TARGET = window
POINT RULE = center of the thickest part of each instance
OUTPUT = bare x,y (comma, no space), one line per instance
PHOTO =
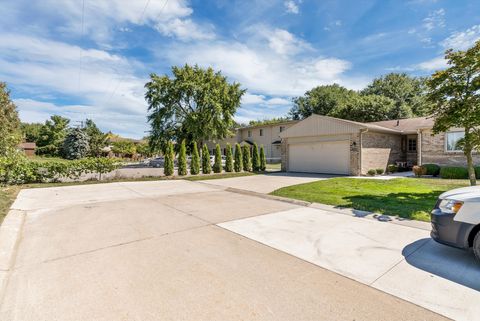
412,145
451,141
282,128
261,132
249,133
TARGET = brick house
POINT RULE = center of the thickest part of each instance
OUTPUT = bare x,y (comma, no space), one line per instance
28,148
322,144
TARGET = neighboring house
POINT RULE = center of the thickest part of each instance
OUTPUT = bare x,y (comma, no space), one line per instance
322,144
267,135
28,148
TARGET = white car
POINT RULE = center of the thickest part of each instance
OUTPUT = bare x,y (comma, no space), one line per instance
456,219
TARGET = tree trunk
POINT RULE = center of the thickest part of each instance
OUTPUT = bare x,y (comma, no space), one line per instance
471,169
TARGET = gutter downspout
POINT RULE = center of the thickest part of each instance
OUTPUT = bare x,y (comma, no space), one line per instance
419,147
362,130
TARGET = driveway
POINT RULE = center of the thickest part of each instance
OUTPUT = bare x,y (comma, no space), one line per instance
166,250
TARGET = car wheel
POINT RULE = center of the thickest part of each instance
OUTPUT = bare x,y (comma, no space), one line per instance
476,246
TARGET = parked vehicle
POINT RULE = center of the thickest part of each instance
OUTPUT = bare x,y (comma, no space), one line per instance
456,219
157,162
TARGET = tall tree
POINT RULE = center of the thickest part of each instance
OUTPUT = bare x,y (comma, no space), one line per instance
455,93
321,100
52,135
31,131
408,93
194,104
124,148
75,145
368,108
10,134
182,159
97,140
195,161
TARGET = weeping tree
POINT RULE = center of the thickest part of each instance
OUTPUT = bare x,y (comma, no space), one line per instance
263,159
217,166
238,158
75,145
455,94
247,159
169,155
228,158
206,166
255,158
182,159
195,161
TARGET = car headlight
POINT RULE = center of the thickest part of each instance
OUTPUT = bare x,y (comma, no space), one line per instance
450,206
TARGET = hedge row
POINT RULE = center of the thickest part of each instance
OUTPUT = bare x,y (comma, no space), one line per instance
448,172
17,169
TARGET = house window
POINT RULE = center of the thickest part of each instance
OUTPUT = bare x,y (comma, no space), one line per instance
451,141
261,132
282,128
412,145
249,133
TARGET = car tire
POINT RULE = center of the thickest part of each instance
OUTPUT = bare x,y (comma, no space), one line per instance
476,246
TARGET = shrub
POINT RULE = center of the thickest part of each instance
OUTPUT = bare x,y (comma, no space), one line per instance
169,156
454,172
195,161
263,159
391,168
75,145
217,166
247,159
371,172
379,171
182,159
255,158
238,158
206,166
431,169
477,172
228,158
419,170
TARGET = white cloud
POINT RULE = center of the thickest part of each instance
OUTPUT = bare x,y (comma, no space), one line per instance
463,39
279,102
291,7
433,64
284,43
185,30
435,19
252,99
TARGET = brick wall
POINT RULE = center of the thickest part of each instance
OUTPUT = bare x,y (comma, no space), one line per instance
379,150
433,151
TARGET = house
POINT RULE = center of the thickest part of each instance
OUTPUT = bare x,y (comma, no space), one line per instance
28,148
267,135
322,144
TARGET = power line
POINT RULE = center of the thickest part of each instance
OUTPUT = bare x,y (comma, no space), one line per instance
80,48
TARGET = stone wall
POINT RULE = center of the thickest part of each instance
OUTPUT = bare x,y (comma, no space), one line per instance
379,150
433,151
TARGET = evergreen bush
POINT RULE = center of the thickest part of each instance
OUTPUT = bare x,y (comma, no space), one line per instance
195,161
169,157
432,169
182,159
206,166
263,159
255,158
454,172
238,158
217,166
246,158
75,145
228,159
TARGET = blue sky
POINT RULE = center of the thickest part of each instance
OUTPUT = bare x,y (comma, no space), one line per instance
91,58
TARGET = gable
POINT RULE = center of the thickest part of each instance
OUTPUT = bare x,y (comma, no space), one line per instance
317,125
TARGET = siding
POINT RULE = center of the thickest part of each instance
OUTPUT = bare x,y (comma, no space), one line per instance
316,125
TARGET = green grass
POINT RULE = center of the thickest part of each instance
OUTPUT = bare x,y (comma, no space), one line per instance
411,198
47,159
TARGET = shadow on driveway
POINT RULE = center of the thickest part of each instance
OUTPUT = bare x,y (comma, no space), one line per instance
298,174
453,264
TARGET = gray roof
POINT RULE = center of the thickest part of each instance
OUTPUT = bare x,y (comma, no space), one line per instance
406,125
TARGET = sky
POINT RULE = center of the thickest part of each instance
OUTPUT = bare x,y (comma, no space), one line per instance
91,58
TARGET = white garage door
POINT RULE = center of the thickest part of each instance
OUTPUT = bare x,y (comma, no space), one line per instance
320,157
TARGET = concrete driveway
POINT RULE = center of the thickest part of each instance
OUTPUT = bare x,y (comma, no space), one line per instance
154,251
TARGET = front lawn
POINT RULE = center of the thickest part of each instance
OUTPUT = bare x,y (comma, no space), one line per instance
411,198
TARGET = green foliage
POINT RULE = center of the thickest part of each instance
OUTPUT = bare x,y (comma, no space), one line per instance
97,140
10,134
238,165
431,169
31,131
379,171
52,135
195,104
263,159
228,159
75,145
246,158
169,159
455,95
255,158
453,172
271,121
195,161
371,172
17,169
217,166
477,172
182,159
124,148
392,168
144,149
368,108
206,166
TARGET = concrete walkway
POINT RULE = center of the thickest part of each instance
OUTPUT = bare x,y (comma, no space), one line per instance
153,251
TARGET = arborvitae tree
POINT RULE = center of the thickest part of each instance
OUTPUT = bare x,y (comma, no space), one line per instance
75,145
169,156
238,158
206,166
217,166
182,159
247,159
255,158
195,161
263,159
228,159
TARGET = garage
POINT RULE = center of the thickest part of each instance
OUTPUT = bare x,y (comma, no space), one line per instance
329,157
